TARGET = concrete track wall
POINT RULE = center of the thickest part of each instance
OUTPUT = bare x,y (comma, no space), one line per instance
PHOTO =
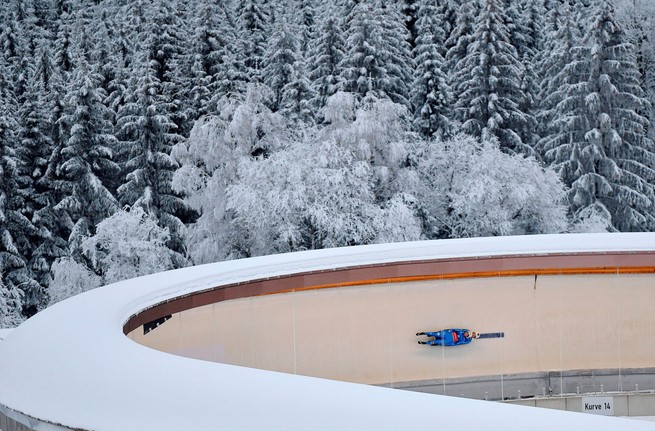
366,333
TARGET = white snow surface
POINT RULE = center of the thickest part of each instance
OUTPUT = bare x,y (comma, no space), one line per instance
72,365
4,332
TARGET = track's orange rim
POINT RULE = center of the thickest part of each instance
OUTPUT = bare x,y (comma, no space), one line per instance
481,274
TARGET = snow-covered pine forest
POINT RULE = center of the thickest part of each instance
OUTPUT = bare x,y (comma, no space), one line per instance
143,135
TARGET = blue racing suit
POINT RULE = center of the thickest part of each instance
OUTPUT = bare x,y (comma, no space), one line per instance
448,337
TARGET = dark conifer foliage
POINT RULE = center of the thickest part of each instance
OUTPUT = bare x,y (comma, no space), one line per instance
17,281
86,164
253,23
148,133
324,60
489,104
602,130
378,58
432,97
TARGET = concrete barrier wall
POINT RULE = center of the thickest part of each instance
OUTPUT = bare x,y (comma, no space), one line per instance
541,384
11,420
366,334
636,404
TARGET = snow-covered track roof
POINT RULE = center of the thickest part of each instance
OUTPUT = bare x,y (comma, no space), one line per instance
73,366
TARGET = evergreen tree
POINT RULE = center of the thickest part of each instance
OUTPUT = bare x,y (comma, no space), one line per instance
210,45
410,10
639,18
32,30
306,22
16,52
397,52
531,15
282,56
447,16
361,67
457,44
253,22
377,55
431,96
85,164
610,171
166,39
295,103
558,53
324,60
15,277
231,75
218,72
200,93
148,134
489,103
52,224
108,58
63,46
33,154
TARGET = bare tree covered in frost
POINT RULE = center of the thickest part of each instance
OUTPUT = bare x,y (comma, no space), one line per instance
71,278
333,188
317,197
359,179
128,244
462,197
208,165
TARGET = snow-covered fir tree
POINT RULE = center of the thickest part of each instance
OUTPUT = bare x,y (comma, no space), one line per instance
638,19
148,134
15,277
600,116
167,42
557,79
253,22
324,60
410,10
306,21
377,57
86,163
208,46
397,53
282,55
295,103
431,97
362,66
490,98
457,46
33,153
